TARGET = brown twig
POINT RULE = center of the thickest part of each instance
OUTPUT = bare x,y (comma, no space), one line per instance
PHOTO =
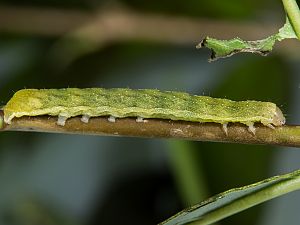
112,25
157,128
56,22
83,32
40,21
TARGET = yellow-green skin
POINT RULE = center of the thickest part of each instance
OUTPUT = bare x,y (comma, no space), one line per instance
145,103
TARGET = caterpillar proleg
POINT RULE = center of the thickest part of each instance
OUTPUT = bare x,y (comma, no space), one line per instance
140,103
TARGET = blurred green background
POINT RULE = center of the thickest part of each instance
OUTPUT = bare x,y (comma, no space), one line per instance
60,179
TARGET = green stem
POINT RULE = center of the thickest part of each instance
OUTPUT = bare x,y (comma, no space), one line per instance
188,174
293,13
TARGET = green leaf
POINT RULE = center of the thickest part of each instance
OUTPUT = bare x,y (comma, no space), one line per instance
236,200
227,48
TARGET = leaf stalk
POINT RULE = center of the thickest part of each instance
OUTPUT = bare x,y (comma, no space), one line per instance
293,14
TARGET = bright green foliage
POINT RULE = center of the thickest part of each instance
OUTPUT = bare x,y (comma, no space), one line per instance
236,200
226,48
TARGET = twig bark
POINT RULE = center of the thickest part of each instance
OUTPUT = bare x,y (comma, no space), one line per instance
57,22
157,128
120,25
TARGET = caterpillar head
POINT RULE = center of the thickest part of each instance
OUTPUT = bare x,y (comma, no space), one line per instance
278,118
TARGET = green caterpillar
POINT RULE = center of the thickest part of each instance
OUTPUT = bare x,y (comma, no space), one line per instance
141,103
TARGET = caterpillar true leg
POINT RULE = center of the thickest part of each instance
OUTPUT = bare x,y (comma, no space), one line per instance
224,127
111,119
270,126
85,118
139,119
61,121
251,128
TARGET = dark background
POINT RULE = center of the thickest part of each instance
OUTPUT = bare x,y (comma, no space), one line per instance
87,180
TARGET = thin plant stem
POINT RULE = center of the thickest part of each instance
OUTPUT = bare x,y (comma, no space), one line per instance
158,128
293,13
187,171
